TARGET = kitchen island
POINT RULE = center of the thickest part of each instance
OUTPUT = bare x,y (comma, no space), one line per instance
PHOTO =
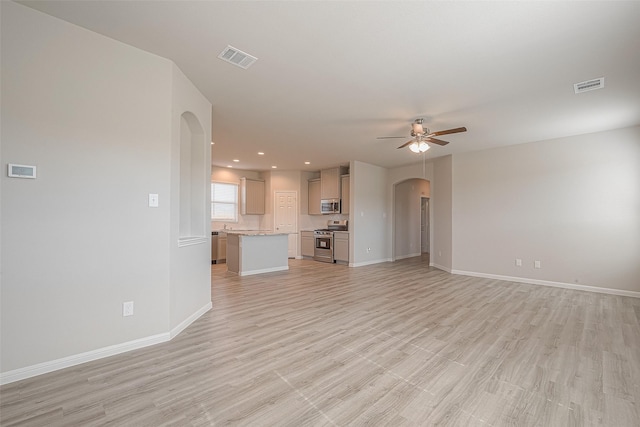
255,252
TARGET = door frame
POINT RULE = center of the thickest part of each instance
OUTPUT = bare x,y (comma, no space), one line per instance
293,237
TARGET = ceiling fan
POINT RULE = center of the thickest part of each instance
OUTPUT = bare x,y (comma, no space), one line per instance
422,135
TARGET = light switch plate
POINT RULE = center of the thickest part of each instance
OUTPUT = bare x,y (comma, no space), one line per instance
153,200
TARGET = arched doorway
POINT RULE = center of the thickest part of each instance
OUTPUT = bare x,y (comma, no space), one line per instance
411,218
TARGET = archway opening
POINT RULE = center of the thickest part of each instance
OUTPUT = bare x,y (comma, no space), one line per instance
411,237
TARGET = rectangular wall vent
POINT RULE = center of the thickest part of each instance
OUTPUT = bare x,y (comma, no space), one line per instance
237,57
21,171
589,85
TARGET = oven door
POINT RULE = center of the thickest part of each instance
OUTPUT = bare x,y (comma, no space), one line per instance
323,248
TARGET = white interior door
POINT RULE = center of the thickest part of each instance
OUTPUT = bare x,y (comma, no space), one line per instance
286,218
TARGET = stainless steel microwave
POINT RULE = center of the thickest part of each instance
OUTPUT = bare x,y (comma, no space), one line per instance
330,206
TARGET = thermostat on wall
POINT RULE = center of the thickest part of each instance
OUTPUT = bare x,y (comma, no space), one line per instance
21,171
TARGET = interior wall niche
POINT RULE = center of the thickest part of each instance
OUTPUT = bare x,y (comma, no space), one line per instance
193,177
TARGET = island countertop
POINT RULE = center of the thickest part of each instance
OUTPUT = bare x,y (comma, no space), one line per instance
255,232
254,252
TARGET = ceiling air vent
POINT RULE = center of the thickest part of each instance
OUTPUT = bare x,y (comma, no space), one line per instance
589,85
237,57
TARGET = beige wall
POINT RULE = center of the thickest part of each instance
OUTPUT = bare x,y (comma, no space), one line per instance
571,203
441,207
98,118
190,272
369,238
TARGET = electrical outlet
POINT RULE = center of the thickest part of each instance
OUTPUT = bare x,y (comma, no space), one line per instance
518,262
536,264
127,308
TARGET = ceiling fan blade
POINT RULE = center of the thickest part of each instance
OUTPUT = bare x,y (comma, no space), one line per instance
407,143
446,132
437,141
390,137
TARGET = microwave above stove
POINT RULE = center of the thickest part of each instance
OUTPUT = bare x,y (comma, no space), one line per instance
330,206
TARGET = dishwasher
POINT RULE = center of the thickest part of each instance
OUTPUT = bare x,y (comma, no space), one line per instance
214,247
218,247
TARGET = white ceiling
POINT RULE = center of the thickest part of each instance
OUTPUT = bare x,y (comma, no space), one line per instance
333,76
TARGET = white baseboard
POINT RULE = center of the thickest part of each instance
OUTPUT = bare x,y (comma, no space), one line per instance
189,320
112,350
440,267
408,256
77,359
265,270
609,291
376,261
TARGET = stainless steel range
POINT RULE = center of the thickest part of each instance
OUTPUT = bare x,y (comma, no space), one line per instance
323,240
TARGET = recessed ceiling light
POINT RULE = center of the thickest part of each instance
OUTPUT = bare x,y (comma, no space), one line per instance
236,160
260,153
229,166
307,163
212,143
274,167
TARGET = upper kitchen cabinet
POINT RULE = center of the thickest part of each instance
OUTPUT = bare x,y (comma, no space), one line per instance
330,183
345,194
314,197
252,196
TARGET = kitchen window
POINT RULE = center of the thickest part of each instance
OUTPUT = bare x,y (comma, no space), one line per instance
224,202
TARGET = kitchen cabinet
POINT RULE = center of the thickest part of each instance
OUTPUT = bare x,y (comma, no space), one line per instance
252,196
330,183
307,244
341,246
314,197
345,194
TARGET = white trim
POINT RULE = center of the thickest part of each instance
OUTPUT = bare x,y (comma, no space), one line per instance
112,350
610,291
408,256
77,359
440,267
190,241
377,261
189,320
265,270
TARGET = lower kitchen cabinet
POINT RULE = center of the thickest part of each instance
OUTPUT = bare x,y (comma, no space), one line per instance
307,243
341,246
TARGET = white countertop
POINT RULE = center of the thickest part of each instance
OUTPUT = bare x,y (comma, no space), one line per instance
255,233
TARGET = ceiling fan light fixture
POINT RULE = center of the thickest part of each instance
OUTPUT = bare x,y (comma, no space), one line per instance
419,146
417,128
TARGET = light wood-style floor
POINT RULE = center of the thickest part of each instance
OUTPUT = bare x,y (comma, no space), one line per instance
389,344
